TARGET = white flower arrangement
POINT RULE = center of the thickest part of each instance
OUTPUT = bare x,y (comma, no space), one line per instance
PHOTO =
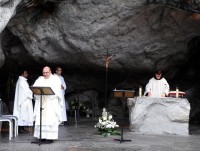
106,125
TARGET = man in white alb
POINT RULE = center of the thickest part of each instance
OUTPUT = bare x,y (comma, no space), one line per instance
157,86
52,106
62,89
23,107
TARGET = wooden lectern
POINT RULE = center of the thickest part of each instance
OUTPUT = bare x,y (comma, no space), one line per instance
123,94
41,91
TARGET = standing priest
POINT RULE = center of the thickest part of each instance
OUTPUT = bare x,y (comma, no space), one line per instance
23,107
157,86
62,89
52,107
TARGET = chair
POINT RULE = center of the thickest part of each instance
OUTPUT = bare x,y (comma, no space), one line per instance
12,117
16,122
4,119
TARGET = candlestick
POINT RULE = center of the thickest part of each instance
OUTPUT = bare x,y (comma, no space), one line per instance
177,92
140,91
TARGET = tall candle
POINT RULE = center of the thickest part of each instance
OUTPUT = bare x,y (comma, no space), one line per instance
177,92
140,91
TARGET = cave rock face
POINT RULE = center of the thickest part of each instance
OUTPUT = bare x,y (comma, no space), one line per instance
7,10
137,36
77,34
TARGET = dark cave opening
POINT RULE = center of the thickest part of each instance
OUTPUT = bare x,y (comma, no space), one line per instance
189,80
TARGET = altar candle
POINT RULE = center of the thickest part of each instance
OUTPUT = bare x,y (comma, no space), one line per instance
177,92
140,91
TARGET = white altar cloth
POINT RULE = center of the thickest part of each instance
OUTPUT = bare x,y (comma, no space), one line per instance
148,115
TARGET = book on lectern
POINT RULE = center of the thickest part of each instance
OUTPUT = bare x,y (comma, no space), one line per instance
42,90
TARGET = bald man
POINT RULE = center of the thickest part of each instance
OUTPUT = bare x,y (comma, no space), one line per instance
52,107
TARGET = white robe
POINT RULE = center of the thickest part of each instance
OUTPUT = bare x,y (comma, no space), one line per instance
23,107
52,106
157,87
64,115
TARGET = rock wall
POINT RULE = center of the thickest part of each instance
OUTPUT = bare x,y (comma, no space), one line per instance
7,10
79,33
76,35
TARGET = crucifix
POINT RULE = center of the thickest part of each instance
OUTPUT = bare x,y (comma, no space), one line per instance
107,61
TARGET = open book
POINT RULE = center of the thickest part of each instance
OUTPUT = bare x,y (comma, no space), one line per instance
173,94
42,90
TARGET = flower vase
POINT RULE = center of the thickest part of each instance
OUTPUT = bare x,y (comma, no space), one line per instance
87,112
87,115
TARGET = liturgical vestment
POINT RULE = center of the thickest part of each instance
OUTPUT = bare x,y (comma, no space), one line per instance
23,107
52,107
64,115
157,87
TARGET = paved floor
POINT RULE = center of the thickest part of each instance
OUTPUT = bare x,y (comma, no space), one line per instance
84,137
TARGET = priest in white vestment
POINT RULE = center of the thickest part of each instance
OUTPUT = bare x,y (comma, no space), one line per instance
23,107
157,86
62,89
52,107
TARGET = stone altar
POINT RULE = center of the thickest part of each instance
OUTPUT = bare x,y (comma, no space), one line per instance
149,115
